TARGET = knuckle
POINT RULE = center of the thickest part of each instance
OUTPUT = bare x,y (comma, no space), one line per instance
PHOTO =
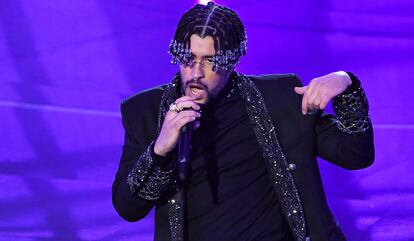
181,99
188,112
166,123
177,124
182,113
308,92
322,91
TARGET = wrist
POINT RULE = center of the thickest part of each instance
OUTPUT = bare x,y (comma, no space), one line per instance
163,162
347,79
159,151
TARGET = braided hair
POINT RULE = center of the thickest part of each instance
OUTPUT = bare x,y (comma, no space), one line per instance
220,23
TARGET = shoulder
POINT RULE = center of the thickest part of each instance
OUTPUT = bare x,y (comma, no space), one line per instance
143,100
277,85
278,90
140,112
275,80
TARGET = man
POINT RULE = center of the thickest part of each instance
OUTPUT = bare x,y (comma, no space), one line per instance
253,174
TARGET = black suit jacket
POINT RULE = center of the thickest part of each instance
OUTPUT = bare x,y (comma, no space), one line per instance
302,139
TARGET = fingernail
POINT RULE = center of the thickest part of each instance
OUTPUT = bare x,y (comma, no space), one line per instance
304,112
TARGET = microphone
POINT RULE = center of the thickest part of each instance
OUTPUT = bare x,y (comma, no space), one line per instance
184,144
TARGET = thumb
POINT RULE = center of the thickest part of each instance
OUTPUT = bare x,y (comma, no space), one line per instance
300,90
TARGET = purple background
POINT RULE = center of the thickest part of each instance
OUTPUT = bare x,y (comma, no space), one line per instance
65,66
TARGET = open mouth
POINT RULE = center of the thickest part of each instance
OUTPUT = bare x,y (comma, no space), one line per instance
196,90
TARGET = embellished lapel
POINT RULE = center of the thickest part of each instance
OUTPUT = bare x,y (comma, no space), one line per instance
176,202
265,131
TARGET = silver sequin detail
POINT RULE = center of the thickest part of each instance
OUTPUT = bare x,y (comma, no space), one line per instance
176,216
351,109
146,179
292,167
282,179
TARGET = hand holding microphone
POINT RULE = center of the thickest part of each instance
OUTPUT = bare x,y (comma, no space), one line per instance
183,112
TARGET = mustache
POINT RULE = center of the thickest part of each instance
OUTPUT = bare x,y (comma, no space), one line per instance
195,81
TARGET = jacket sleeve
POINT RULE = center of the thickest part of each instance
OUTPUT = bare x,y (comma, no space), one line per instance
347,139
139,181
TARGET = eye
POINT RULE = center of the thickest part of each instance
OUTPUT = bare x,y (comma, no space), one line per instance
210,60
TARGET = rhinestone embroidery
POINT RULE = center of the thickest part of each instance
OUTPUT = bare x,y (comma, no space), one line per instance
176,216
146,179
351,108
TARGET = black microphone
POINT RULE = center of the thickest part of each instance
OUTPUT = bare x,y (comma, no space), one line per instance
184,144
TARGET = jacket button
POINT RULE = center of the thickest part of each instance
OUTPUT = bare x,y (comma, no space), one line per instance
292,167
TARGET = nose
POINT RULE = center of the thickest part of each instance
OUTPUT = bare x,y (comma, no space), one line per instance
197,71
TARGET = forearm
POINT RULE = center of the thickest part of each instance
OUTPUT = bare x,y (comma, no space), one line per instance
139,184
347,139
351,108
146,179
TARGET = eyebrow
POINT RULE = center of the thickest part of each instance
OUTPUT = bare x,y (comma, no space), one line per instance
204,56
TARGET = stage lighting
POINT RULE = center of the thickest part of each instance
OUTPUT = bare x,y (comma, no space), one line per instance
204,1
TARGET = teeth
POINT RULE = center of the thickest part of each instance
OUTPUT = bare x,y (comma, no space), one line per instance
196,90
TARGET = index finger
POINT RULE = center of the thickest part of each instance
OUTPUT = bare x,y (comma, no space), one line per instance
188,104
184,98
305,98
